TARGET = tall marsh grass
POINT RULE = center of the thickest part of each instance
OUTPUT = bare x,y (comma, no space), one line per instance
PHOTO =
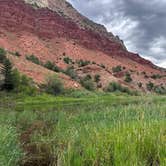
10,151
101,131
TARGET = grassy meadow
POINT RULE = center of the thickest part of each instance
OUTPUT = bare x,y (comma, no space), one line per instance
82,130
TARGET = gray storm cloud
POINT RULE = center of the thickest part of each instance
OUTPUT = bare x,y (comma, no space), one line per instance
141,24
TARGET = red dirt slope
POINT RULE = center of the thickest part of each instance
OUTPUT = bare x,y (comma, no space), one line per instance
49,36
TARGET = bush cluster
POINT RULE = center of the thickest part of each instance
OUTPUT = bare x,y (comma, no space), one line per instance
116,87
156,76
160,90
51,66
71,72
128,77
54,85
88,83
149,86
82,63
67,60
33,59
117,69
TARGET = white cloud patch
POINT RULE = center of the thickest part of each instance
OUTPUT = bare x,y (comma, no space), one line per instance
158,46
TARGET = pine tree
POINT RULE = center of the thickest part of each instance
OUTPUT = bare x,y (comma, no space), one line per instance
7,72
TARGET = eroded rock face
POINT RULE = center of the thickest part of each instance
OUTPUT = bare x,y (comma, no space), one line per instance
65,9
16,16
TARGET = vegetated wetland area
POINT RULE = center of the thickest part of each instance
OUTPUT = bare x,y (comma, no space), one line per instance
84,129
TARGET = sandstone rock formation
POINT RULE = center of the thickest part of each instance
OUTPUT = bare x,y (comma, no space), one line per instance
51,28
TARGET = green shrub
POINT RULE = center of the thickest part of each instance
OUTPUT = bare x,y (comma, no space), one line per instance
67,60
128,77
87,77
156,76
56,69
97,78
160,90
16,78
23,84
49,65
2,55
113,87
150,86
117,69
71,72
33,59
26,81
54,85
82,63
88,84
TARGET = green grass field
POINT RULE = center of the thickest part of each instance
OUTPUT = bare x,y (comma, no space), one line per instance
97,130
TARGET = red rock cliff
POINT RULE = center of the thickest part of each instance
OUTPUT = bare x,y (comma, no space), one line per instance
15,16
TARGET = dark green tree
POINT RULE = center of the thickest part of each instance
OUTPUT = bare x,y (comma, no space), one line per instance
7,72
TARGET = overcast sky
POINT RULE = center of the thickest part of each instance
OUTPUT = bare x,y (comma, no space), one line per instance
141,24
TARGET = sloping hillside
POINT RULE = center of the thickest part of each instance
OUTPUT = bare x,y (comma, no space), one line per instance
53,31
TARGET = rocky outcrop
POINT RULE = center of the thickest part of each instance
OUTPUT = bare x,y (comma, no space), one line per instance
65,9
16,16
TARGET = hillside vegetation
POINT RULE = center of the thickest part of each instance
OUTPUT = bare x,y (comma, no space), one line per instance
50,125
